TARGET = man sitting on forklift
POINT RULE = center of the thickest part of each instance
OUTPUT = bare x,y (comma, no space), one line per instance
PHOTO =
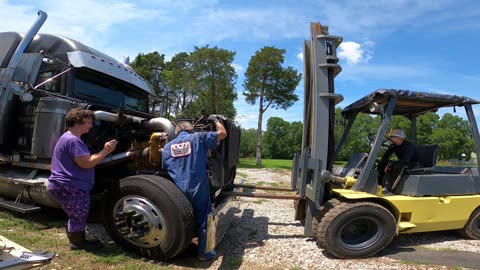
404,150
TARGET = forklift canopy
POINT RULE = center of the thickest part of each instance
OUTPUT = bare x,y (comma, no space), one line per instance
409,103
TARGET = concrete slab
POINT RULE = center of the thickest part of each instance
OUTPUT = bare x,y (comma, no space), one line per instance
429,256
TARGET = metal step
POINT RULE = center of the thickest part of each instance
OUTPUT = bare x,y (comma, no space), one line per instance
18,207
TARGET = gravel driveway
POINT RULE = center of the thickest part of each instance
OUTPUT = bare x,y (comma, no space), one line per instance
264,235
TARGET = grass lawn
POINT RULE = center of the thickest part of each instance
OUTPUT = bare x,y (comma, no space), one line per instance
45,230
248,163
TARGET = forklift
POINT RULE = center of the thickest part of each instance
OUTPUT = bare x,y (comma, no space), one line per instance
343,207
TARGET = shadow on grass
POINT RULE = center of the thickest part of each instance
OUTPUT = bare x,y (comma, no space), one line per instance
45,219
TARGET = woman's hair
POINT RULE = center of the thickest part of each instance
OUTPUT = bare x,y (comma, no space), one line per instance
78,116
183,126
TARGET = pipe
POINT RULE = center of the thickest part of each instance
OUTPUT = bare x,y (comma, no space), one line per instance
113,159
106,116
156,124
118,118
8,88
42,17
163,123
261,188
261,195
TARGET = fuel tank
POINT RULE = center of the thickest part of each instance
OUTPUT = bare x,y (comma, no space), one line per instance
49,124
15,181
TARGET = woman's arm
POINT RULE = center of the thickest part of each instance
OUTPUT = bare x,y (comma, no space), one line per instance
88,162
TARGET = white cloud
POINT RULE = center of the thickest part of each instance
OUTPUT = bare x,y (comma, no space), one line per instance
472,78
300,56
351,52
355,53
247,121
247,24
385,72
91,22
383,17
238,68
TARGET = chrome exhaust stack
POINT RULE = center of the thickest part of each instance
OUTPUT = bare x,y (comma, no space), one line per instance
7,87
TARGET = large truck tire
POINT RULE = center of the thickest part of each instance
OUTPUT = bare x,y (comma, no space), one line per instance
150,216
472,227
354,230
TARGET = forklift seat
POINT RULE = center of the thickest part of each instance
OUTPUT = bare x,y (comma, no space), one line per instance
426,159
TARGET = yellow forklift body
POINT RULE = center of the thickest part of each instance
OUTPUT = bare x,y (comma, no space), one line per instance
422,214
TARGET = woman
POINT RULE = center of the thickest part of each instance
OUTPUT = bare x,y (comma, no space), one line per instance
72,175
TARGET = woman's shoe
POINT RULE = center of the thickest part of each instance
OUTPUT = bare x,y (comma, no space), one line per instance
78,241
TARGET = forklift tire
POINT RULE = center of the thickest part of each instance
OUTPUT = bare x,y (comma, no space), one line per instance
321,213
472,227
353,230
149,215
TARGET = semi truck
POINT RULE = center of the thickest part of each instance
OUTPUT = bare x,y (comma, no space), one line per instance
42,77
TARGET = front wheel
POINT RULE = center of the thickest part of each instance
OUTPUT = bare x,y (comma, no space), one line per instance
354,230
150,216
472,228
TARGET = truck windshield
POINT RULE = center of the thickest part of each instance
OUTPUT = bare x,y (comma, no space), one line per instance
101,89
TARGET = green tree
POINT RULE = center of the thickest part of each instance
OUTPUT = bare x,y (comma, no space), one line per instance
269,83
276,138
214,77
282,139
248,142
453,136
357,139
180,82
151,67
426,124
295,136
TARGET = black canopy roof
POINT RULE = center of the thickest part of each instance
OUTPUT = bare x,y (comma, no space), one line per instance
408,102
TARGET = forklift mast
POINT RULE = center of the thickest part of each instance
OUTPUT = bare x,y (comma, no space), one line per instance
316,160
321,67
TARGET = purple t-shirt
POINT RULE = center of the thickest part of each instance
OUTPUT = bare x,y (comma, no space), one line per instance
63,167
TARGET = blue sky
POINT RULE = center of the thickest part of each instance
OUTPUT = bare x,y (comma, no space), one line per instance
425,45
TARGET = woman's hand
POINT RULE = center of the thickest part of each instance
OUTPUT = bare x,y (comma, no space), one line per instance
110,146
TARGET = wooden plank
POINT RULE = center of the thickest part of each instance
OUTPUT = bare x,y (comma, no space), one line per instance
14,253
